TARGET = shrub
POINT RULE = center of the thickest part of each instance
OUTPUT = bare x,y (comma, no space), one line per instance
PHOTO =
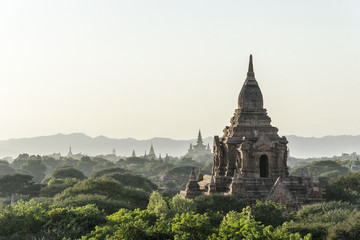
218,203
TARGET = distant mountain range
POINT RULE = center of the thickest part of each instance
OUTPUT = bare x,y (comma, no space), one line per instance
301,147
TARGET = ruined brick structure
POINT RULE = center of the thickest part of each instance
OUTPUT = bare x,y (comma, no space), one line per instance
250,158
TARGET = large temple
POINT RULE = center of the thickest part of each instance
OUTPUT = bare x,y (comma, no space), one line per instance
250,158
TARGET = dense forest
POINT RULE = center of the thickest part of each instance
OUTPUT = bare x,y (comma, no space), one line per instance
137,198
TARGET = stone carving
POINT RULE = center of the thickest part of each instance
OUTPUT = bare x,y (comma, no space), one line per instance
264,140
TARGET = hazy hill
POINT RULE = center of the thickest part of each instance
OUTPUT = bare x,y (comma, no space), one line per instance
301,147
82,143
328,146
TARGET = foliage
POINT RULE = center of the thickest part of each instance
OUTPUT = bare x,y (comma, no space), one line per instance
135,181
126,224
6,169
322,218
270,213
107,171
29,215
20,160
136,160
86,165
107,187
243,226
218,203
38,222
100,201
344,188
322,168
18,183
348,229
158,204
35,167
72,222
191,226
50,163
56,186
179,205
67,172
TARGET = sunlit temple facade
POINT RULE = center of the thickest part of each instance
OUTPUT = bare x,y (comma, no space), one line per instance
250,159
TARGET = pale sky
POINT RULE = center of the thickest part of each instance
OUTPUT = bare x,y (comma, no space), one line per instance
146,69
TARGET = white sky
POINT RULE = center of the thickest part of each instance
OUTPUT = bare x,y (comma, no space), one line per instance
166,68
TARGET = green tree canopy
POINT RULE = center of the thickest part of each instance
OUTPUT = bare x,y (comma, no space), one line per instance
67,172
6,169
218,203
107,171
35,168
344,188
18,183
108,187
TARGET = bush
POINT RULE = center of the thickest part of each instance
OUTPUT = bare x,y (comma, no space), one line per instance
72,222
56,186
107,171
191,226
218,203
348,229
100,201
109,188
126,224
22,220
135,181
67,172
270,213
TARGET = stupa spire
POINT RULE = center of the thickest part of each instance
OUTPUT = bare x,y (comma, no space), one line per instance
251,68
199,139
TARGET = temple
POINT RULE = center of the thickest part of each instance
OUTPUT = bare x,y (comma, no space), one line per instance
250,159
199,151
151,154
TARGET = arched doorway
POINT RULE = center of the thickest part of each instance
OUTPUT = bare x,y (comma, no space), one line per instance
264,166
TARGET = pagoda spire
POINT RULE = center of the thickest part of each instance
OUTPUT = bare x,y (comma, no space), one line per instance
151,152
199,139
70,154
251,67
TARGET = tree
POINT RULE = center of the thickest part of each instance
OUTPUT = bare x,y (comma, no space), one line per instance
132,225
18,183
243,226
6,169
135,198
20,160
181,205
35,167
191,226
348,229
86,165
319,219
102,202
218,203
31,220
344,188
108,171
50,163
271,213
135,181
67,172
56,186
158,204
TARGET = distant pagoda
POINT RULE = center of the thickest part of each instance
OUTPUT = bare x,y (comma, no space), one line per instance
199,150
151,154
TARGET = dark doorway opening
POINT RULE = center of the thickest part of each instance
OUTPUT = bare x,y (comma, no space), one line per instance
264,166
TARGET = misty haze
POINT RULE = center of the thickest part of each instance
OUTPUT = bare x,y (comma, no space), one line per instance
179,120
